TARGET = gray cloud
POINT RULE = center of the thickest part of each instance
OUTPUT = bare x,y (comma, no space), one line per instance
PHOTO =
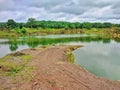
66,10
6,4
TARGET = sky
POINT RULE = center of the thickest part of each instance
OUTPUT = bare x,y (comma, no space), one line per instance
61,10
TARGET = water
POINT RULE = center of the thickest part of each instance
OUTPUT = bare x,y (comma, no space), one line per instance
62,36
100,55
101,59
11,45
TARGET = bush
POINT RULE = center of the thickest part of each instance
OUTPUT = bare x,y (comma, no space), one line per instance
23,31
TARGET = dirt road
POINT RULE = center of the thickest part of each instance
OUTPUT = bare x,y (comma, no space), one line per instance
52,71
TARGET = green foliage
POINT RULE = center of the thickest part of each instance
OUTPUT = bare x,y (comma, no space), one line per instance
70,56
3,26
10,66
87,25
26,57
23,31
33,42
107,25
16,69
13,45
32,23
21,25
11,23
98,25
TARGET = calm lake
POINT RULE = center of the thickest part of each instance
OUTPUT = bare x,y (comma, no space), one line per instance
101,56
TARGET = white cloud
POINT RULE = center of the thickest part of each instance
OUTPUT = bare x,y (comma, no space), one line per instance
64,10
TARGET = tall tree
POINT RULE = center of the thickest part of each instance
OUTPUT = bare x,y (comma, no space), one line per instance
11,23
31,22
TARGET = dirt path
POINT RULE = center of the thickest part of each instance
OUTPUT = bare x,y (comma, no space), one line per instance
53,72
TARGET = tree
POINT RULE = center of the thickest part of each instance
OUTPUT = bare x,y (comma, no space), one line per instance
71,26
98,25
77,25
31,23
21,25
11,23
3,26
23,31
87,25
107,25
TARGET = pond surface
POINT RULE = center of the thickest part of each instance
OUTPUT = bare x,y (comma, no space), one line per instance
99,55
11,45
101,59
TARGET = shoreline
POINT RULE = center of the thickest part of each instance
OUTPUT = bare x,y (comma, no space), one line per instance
51,68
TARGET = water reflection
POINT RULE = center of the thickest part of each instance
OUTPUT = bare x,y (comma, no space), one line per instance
100,59
13,46
32,42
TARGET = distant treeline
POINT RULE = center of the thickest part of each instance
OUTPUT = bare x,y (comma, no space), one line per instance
32,23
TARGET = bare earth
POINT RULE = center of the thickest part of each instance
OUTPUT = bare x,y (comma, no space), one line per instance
52,71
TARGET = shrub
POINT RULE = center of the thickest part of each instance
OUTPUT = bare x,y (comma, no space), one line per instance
23,31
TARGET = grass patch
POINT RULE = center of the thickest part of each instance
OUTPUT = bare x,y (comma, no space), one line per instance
12,65
27,57
15,70
70,56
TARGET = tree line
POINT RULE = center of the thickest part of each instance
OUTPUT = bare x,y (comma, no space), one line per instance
32,23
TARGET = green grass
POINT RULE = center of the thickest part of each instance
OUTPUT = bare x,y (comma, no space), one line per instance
13,65
7,34
70,56
26,57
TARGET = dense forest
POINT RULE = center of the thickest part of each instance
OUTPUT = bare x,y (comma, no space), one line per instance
32,23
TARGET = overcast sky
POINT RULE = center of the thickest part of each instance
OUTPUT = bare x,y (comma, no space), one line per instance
61,10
